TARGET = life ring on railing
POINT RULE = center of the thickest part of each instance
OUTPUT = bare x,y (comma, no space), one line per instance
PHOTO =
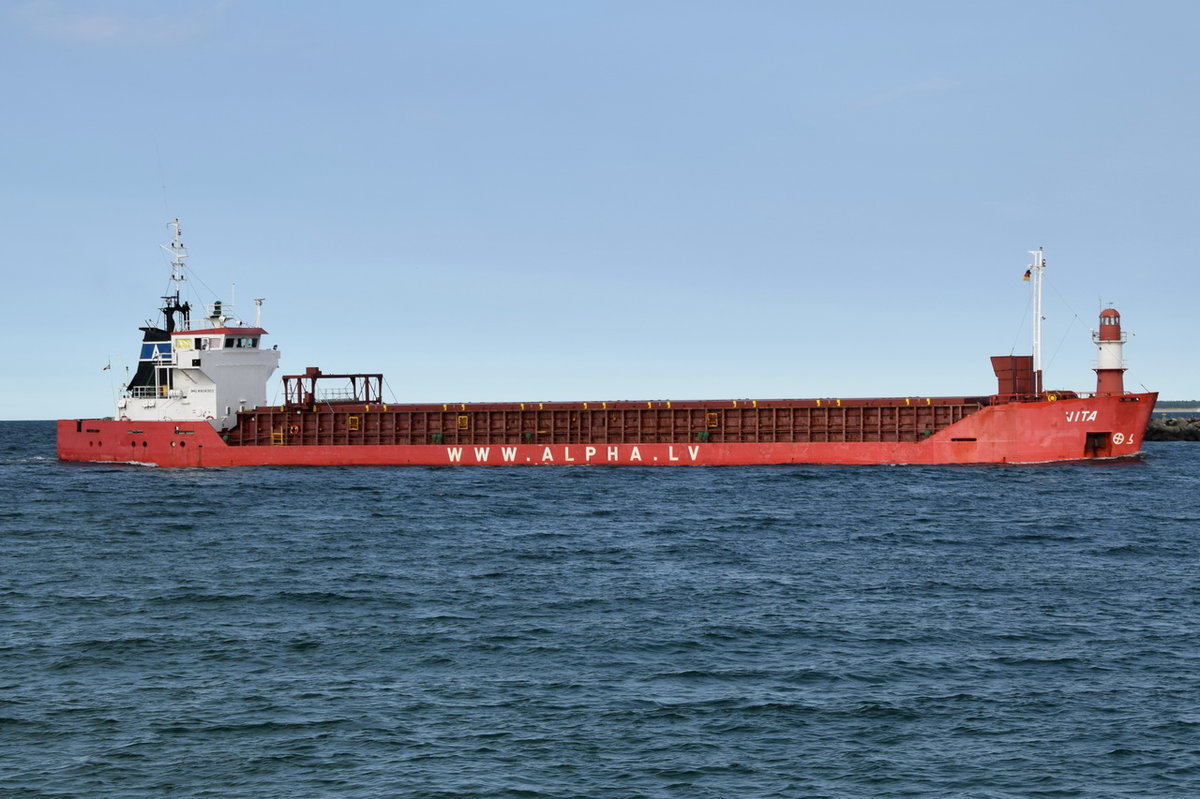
294,429
124,418
208,417
1051,398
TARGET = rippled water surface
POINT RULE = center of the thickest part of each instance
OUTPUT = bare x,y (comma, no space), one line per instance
598,632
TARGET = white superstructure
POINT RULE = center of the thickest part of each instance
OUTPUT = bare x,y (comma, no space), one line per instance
206,372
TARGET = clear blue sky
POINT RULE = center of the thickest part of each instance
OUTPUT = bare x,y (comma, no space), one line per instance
603,200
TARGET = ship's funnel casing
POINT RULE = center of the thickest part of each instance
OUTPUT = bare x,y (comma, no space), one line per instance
1110,361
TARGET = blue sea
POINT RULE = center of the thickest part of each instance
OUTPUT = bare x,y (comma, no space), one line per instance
810,631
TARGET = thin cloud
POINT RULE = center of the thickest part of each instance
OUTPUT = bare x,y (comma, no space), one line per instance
897,93
51,19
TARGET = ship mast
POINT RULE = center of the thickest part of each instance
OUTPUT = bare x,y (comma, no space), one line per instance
178,254
1035,272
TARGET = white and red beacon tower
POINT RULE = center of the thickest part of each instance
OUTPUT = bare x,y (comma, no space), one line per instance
1110,366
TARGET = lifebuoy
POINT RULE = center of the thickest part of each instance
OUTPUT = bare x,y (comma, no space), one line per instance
1051,397
294,429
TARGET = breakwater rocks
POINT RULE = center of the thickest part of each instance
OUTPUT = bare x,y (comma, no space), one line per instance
1173,428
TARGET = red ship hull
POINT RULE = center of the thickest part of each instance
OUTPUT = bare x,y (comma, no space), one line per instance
1038,431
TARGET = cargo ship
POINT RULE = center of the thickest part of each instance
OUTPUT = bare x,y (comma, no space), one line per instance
198,398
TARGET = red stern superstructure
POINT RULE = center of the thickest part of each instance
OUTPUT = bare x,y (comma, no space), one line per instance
198,399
